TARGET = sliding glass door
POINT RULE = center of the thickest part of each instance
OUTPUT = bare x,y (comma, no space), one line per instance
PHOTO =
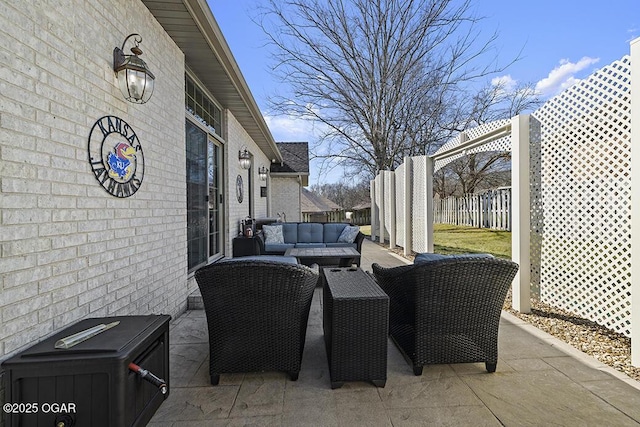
204,197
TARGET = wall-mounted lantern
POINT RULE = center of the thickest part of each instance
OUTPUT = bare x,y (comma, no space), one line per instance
262,173
134,78
244,157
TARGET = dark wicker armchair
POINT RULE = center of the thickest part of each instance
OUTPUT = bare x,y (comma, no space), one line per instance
257,314
447,310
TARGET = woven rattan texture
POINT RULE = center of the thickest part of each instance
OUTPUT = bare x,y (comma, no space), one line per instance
257,315
355,322
447,311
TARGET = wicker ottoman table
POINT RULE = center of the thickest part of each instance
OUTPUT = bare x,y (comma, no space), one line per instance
355,322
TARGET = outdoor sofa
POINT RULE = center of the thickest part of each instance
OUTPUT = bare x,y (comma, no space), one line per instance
446,309
308,235
257,310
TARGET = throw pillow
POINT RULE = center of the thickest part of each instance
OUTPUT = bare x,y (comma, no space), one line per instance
273,234
349,234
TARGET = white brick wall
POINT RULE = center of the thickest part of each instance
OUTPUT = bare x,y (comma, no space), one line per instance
285,197
237,138
68,249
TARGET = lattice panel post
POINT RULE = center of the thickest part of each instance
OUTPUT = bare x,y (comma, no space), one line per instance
418,196
399,174
635,202
390,206
408,191
428,208
374,208
381,206
520,237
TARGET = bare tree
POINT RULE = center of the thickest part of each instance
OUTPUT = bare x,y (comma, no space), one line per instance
382,77
344,194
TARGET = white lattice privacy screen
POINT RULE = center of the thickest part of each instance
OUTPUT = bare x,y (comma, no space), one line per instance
580,195
581,198
418,179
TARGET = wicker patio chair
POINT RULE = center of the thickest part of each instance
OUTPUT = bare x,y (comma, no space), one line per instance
257,314
447,310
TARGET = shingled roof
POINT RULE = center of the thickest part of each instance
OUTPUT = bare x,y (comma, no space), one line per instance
295,157
315,203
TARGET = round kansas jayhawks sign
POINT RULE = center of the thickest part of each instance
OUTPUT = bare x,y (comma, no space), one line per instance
115,155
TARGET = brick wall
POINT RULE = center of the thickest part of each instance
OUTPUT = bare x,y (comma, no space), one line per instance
285,197
237,138
70,250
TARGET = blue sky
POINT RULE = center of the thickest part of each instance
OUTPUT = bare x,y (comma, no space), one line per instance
559,43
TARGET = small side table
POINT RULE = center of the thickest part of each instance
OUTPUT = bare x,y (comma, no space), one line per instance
355,322
245,246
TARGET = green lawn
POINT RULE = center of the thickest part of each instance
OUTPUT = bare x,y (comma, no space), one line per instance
454,239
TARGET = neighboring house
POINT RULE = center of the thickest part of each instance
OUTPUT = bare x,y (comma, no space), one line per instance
287,179
361,214
108,206
317,208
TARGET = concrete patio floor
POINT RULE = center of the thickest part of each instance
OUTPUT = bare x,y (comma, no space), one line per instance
540,381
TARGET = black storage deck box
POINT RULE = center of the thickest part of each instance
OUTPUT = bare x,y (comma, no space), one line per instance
91,382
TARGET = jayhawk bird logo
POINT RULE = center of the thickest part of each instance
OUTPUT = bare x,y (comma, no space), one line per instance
120,161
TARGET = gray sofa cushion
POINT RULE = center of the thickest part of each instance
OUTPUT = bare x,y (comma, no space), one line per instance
278,248
310,233
310,245
333,231
427,257
307,235
290,232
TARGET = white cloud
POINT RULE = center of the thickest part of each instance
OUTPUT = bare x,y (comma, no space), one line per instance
289,128
563,76
507,83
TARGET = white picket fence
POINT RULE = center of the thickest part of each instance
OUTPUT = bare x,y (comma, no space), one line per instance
489,209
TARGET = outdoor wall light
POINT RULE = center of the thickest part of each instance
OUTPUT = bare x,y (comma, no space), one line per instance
262,173
134,78
244,158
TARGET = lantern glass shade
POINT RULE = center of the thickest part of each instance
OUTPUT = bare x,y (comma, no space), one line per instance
262,173
135,80
245,159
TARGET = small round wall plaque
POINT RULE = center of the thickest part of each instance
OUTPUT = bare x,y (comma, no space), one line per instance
239,189
115,155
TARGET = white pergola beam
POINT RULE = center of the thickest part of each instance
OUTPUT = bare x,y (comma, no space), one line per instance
468,144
